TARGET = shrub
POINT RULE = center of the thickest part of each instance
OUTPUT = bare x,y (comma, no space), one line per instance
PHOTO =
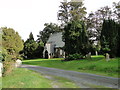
7,67
75,56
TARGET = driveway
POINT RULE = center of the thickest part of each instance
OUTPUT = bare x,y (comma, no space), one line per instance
84,80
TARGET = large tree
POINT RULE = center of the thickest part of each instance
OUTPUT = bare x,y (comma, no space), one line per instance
110,38
12,42
76,38
116,11
73,10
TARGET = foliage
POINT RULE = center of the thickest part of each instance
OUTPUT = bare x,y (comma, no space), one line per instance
110,37
32,49
118,40
8,67
116,7
11,46
71,11
12,42
39,51
74,57
75,38
95,21
72,15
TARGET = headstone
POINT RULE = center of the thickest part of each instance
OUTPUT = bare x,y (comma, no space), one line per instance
18,63
88,56
107,57
1,69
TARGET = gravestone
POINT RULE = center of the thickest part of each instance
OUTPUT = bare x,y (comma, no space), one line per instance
1,69
88,56
18,63
107,57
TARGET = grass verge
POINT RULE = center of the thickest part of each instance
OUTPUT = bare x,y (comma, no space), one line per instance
24,78
96,65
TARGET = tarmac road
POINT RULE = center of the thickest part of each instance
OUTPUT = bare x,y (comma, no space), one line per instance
84,80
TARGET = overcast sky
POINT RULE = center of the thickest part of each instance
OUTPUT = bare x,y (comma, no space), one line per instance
27,16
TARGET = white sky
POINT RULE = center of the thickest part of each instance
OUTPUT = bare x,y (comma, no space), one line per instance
27,16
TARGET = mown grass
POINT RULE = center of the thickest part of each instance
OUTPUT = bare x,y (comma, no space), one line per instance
96,65
0,83
24,78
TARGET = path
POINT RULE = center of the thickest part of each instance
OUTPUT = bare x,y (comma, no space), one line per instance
84,80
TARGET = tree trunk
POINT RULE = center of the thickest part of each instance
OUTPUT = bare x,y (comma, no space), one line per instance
96,53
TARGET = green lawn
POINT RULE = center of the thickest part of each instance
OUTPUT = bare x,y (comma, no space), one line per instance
24,78
0,83
96,65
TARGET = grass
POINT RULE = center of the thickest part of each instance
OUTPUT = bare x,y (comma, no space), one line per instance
62,82
24,78
96,65
0,83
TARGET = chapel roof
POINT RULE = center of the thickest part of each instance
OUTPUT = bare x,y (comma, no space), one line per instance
56,39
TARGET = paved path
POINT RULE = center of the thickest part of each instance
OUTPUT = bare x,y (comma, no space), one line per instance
84,80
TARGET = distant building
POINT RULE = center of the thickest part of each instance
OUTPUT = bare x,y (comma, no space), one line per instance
53,47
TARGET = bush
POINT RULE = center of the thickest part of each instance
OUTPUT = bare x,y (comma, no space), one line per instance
7,67
75,56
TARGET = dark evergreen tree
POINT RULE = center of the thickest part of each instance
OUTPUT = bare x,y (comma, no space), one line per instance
118,41
33,49
30,47
75,38
31,37
110,37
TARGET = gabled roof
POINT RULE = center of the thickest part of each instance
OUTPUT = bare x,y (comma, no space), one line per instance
56,39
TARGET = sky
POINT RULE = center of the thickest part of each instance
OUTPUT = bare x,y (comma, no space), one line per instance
26,16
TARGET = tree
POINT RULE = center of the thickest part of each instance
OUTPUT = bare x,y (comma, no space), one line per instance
75,38
77,10
72,15
63,13
94,24
95,21
49,29
30,47
12,42
116,11
39,51
31,37
73,10
110,37
118,40
11,46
